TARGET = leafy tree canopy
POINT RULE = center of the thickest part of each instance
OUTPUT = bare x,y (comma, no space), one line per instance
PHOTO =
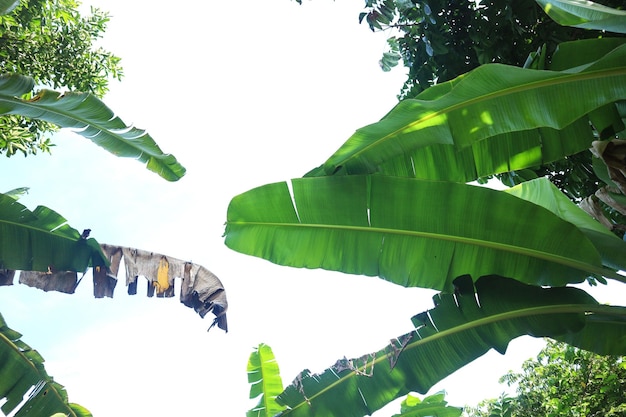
438,40
562,380
54,44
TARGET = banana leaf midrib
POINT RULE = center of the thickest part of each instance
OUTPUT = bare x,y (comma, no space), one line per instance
555,309
6,341
87,122
451,238
268,401
558,80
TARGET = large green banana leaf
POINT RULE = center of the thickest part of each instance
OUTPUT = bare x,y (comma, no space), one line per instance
22,375
410,232
90,118
265,382
461,328
41,240
494,119
585,14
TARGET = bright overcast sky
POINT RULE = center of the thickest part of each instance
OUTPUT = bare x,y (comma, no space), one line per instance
243,93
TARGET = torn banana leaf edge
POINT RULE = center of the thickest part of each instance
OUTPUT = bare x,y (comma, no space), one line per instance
462,327
199,288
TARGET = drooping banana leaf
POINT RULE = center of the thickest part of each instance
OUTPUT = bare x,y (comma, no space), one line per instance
265,380
199,288
410,232
585,14
542,192
574,54
22,375
606,119
41,240
461,328
431,406
88,116
493,119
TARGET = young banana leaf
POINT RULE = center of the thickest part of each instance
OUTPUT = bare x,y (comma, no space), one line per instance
431,406
89,117
494,119
22,376
410,232
265,382
585,14
461,328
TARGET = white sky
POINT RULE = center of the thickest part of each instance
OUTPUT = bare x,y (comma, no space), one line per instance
243,93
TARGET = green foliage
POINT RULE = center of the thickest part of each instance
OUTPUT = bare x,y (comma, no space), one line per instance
265,382
42,240
497,407
471,127
388,203
563,380
7,6
584,14
442,39
430,406
439,40
52,43
458,330
90,118
455,131
393,228
22,375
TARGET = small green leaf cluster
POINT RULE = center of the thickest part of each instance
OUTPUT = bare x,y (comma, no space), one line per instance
562,380
430,406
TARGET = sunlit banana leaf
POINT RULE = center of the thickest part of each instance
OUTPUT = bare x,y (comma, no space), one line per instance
41,240
494,155
461,328
265,380
410,232
22,376
89,117
585,14
494,119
